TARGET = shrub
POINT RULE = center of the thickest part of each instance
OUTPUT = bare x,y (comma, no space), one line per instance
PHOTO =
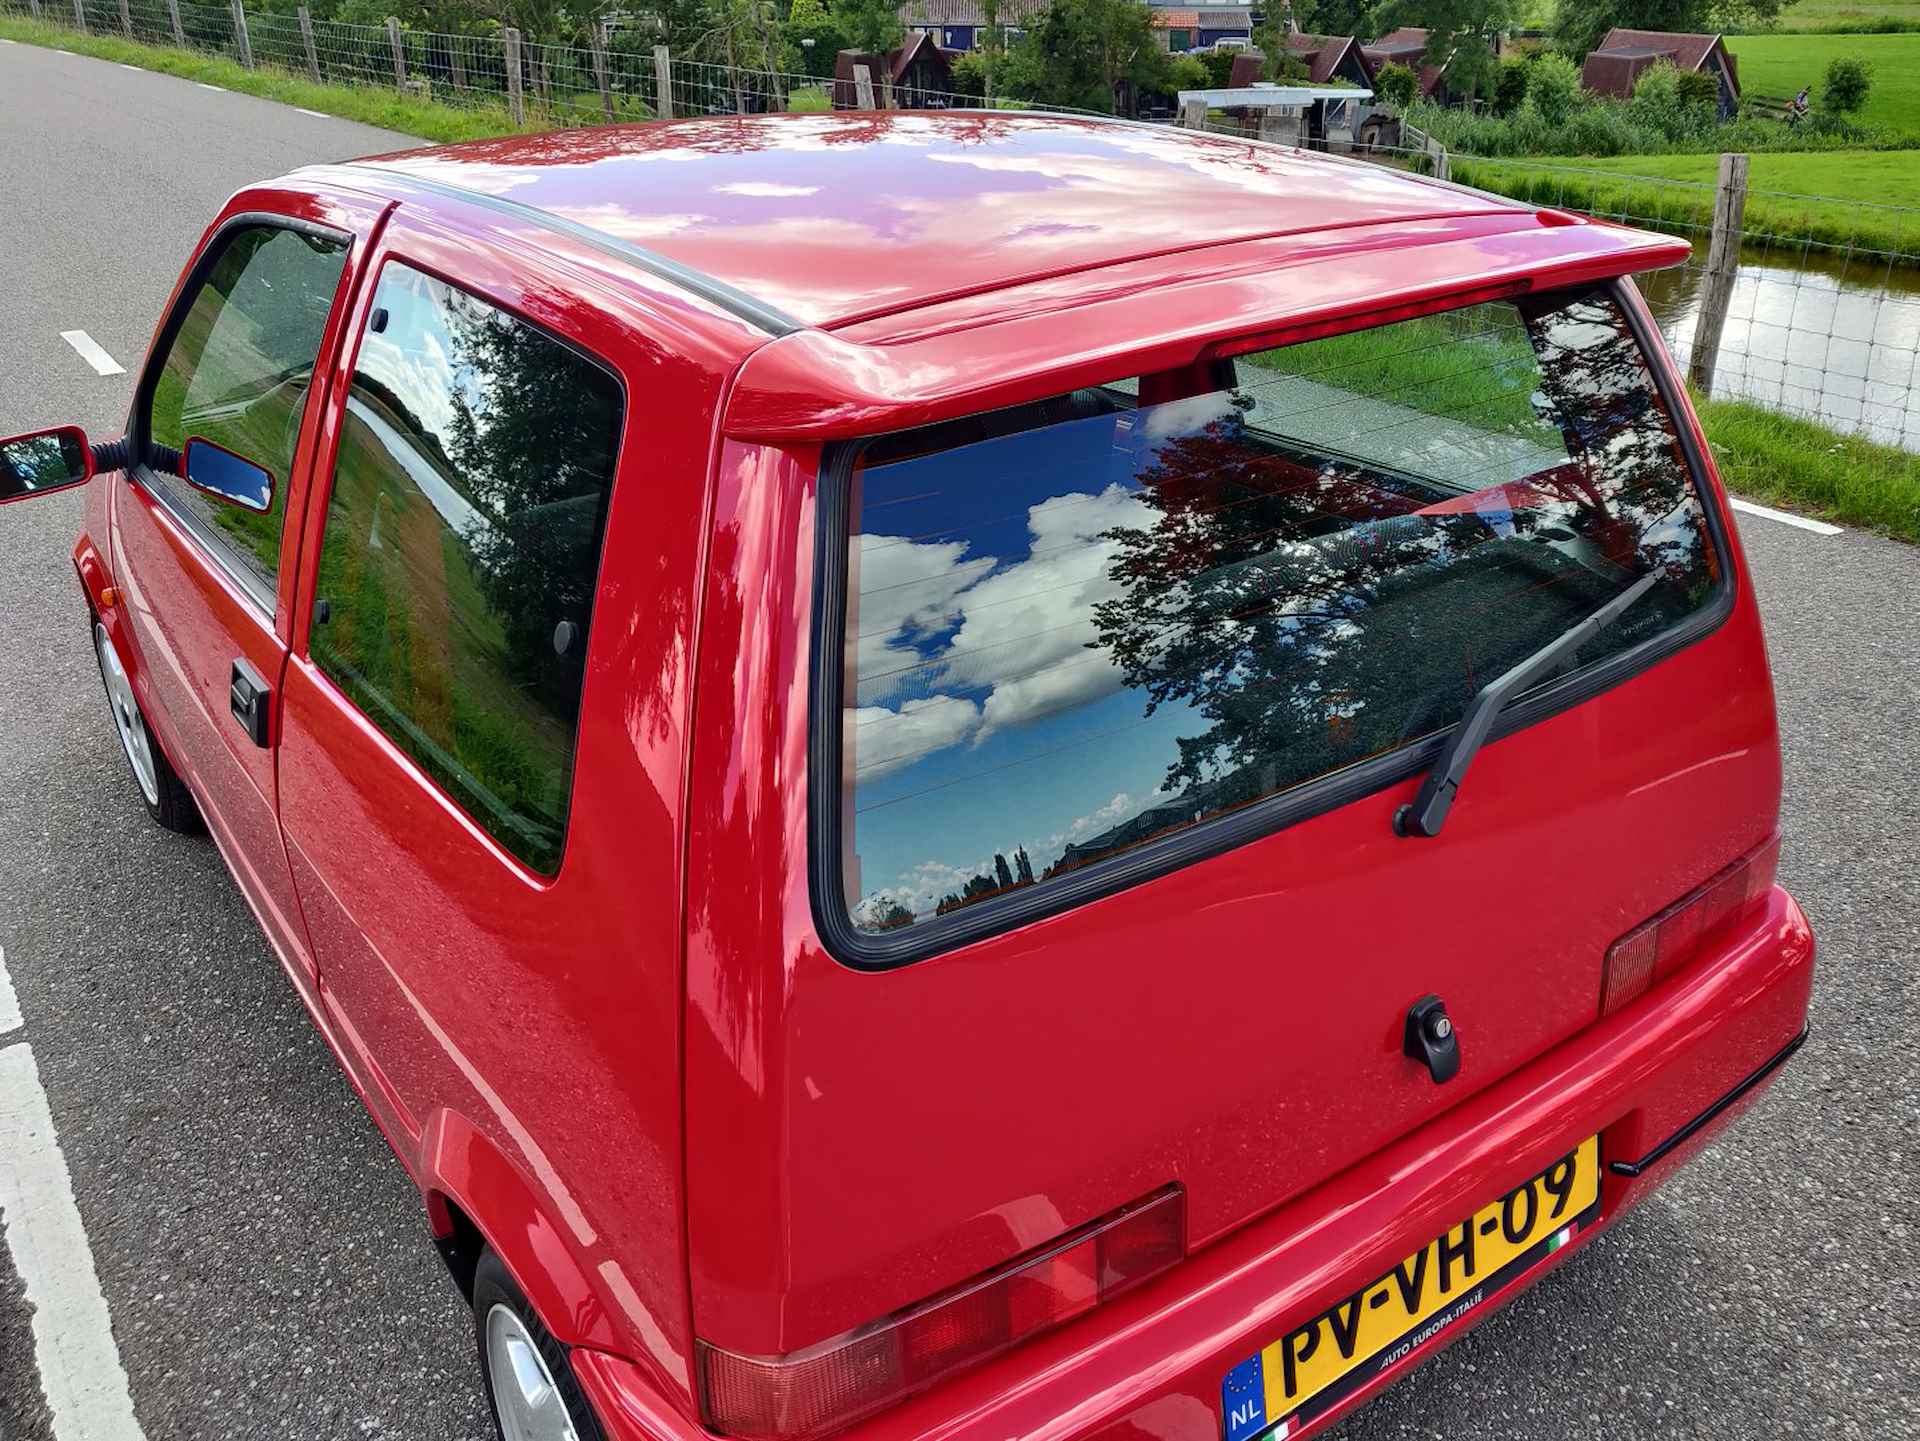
1845,89
1395,85
1511,88
970,74
1697,87
1659,106
1188,72
1600,130
1219,65
1554,88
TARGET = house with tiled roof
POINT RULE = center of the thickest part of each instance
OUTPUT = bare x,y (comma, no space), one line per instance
961,24
1331,58
1408,46
1201,27
1625,55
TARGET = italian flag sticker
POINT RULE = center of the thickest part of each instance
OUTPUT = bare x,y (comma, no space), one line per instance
1559,1239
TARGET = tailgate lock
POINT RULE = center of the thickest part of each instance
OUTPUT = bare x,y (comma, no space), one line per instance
1431,1038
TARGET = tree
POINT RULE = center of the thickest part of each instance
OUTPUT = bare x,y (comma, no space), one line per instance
1336,17
990,44
1395,85
1553,89
810,20
1462,36
1510,90
1844,91
1088,55
869,25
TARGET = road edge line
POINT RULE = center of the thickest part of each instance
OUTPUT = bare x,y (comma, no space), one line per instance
81,1375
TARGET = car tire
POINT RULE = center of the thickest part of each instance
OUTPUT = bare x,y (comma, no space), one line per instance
167,798
529,1380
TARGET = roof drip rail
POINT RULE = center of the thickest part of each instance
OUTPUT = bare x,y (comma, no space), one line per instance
735,302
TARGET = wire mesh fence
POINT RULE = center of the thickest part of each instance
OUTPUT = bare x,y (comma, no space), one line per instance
1814,310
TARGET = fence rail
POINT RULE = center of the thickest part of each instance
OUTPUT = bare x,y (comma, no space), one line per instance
1806,304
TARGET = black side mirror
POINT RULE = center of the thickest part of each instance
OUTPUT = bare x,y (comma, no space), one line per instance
44,460
218,471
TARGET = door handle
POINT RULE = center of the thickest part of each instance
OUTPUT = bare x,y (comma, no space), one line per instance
247,696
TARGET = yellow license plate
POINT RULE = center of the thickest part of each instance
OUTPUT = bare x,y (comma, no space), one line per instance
1321,1362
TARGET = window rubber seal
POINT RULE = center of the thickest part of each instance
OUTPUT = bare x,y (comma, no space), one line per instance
866,951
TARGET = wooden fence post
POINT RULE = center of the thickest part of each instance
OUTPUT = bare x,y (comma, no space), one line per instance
863,86
240,35
1193,114
34,5
599,43
662,83
306,39
457,61
80,16
179,30
399,53
516,102
126,20
1723,267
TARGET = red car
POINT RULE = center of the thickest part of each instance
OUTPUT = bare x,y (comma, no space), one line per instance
959,776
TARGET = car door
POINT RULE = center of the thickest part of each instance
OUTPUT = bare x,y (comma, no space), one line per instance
207,579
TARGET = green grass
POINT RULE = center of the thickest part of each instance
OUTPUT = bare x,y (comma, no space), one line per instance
1781,64
390,111
410,115
1832,15
1787,192
1814,470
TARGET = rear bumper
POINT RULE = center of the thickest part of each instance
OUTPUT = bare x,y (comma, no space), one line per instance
1656,1081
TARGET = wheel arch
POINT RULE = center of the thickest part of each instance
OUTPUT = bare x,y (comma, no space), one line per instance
476,1196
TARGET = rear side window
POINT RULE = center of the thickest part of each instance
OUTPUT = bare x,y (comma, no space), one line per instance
1080,629
462,548
238,371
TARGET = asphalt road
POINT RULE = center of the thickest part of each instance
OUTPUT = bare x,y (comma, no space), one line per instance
264,1257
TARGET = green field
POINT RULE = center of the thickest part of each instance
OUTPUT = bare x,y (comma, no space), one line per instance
1848,14
1786,191
1781,64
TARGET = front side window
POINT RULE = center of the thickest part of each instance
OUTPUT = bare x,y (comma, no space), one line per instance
462,548
237,373
1083,627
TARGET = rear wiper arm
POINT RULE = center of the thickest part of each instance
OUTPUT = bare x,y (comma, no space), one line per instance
1429,809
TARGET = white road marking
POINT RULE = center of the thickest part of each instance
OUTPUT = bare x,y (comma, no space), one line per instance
316,114
1818,527
91,352
218,89
124,66
10,1017
80,1371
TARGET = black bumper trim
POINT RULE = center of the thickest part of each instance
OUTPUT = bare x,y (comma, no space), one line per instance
1767,1068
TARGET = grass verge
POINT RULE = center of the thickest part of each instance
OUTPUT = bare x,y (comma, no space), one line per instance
1781,201
389,111
1819,472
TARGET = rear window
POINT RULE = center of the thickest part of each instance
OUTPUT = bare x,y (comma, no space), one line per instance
1085,627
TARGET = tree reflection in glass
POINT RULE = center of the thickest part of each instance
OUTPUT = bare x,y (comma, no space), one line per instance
1089,625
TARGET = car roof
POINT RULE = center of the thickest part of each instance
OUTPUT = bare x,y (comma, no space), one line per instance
838,218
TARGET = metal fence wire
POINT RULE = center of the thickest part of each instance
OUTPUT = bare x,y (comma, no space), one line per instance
1804,304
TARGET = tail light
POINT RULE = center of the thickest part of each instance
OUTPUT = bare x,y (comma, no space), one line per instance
824,1387
1656,948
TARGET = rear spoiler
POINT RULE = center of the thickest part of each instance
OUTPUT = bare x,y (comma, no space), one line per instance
1030,342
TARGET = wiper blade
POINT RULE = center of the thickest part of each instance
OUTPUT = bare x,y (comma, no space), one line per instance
1428,812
